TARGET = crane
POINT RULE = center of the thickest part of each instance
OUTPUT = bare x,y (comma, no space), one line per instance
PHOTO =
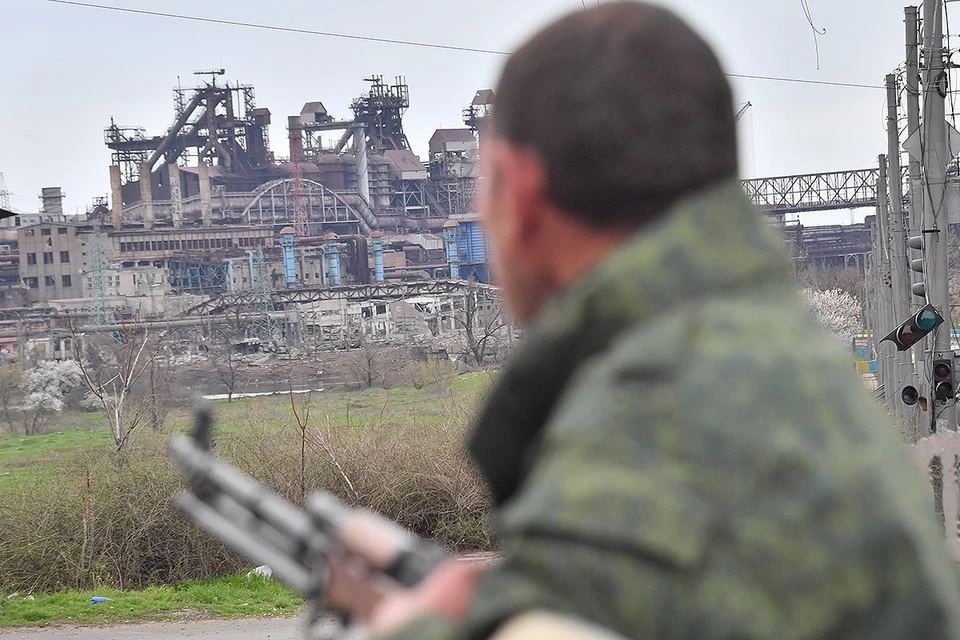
743,111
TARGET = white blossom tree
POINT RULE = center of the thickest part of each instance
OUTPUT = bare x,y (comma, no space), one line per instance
837,311
44,388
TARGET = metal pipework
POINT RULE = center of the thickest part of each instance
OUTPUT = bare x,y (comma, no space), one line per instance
288,240
451,233
377,239
363,171
331,252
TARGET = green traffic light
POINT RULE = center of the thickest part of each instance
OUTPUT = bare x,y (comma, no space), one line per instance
926,320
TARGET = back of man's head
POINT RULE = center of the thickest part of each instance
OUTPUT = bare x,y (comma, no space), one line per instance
627,107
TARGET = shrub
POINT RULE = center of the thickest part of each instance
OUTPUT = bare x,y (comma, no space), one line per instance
109,520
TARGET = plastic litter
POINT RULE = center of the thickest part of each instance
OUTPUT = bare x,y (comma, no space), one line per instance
99,599
263,571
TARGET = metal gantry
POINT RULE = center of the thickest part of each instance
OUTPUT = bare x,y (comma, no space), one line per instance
816,191
354,293
265,326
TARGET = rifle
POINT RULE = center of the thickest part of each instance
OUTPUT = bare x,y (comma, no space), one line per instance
342,560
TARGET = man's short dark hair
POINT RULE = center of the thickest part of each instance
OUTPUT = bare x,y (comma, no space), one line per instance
628,108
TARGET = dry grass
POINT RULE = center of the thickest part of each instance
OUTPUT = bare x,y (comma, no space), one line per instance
102,520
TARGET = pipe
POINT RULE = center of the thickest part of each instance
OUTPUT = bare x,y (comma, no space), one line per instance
288,241
378,255
175,130
451,232
332,251
361,258
363,173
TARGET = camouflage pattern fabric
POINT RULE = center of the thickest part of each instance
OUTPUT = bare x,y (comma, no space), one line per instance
678,450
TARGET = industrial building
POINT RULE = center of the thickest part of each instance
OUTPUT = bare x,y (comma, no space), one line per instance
342,220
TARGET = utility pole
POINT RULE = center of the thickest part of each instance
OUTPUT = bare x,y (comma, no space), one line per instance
936,216
912,77
887,320
899,273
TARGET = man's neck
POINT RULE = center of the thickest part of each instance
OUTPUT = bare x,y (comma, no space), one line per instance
579,248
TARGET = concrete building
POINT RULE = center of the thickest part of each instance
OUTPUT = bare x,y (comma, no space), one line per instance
51,256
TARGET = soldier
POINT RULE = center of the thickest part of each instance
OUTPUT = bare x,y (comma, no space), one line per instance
677,450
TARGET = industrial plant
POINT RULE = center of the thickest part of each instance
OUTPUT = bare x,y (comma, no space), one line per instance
343,232
208,215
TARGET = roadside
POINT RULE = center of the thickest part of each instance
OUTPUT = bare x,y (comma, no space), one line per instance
247,629
220,598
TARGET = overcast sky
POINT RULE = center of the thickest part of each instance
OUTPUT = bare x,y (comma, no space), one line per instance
66,70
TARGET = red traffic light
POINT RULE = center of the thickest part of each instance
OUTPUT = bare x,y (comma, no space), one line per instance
943,389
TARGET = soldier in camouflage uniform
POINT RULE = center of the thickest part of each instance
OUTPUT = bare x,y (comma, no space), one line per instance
677,450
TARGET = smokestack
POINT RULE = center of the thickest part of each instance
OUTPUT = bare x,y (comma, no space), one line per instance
146,194
52,198
176,195
116,194
206,211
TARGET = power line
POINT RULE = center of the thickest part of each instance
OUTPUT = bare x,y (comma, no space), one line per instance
816,32
407,43
827,83
269,27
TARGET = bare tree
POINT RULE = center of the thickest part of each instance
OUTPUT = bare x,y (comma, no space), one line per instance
848,279
222,353
112,364
11,376
482,323
366,362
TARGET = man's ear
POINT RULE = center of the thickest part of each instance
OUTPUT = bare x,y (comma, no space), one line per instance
524,182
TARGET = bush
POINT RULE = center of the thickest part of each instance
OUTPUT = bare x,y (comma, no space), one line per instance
106,521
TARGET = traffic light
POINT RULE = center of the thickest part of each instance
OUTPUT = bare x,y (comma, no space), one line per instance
943,389
915,327
910,395
919,289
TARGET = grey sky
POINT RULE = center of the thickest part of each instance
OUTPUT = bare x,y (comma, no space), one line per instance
66,70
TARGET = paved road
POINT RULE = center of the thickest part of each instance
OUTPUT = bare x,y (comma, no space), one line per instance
258,629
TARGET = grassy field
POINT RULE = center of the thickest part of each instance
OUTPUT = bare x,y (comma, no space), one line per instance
229,597
398,445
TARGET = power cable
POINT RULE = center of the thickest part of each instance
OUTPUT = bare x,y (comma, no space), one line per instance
817,33
269,27
408,43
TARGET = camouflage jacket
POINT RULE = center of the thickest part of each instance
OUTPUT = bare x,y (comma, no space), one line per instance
678,450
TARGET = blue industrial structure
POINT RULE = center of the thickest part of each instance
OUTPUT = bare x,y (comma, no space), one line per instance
188,275
377,238
466,248
331,258
288,240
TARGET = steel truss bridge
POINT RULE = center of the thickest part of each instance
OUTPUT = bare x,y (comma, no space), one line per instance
356,293
817,191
